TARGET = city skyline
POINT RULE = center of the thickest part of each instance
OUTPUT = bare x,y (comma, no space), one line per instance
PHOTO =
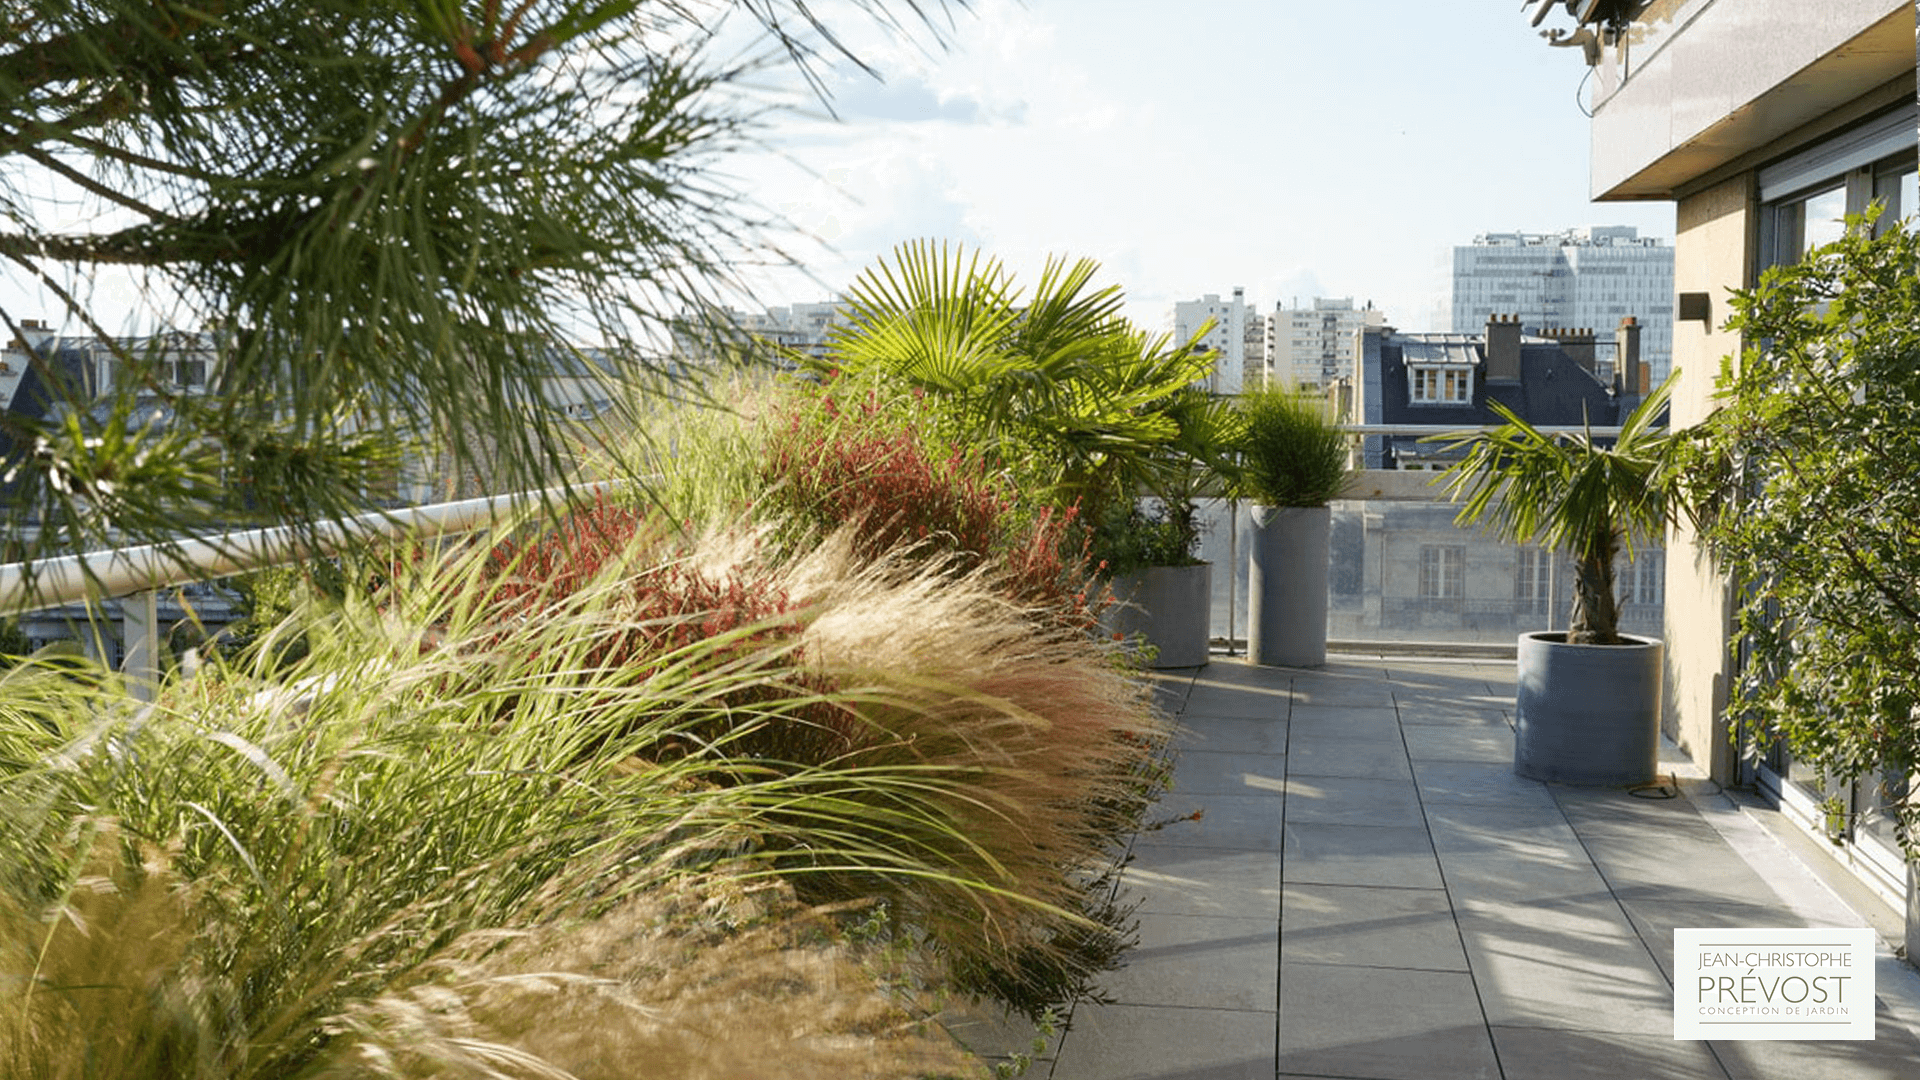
1294,150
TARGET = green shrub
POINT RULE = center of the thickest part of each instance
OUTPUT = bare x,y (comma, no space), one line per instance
1291,454
1807,479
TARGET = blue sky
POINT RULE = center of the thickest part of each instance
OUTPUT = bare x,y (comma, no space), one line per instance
1295,148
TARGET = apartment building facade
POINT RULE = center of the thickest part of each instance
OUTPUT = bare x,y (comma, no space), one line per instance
1235,338
1587,278
1312,344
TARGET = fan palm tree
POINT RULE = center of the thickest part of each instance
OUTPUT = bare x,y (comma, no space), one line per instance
1573,494
1101,408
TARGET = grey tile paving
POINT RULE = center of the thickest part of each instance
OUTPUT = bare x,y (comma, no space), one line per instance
1219,772
1478,782
1327,854
1655,917
1512,854
1203,881
1426,713
1153,1042
1345,687
1232,735
993,1034
1346,800
1890,1056
1256,703
1566,964
1201,961
1572,1054
1246,822
1425,914
1322,755
1369,927
1488,743
1382,1023
1346,721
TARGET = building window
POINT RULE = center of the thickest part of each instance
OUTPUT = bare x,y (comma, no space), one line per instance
1643,581
1426,384
1441,386
189,373
1805,198
1533,581
1443,572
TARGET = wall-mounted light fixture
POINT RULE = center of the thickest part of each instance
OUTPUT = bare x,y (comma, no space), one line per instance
1696,305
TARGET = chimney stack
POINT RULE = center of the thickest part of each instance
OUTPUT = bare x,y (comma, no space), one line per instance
1628,376
1577,344
1503,348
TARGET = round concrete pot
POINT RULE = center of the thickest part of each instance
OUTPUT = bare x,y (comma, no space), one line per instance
1287,586
1170,606
1587,714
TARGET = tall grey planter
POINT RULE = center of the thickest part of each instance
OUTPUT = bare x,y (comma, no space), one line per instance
1913,913
1587,714
1287,586
1170,606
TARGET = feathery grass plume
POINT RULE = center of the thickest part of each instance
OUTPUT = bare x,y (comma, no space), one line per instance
443,763
334,834
1037,748
101,985
696,978
957,756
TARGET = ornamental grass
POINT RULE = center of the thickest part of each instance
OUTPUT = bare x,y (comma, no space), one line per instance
515,818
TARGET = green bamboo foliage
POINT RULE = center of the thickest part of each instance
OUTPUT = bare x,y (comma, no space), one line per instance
1574,494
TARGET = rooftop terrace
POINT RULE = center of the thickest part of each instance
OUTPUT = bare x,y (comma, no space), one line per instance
1371,893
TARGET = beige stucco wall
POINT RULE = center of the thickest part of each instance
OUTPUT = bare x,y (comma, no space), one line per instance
1713,253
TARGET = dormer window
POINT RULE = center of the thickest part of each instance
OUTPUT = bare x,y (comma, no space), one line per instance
1440,385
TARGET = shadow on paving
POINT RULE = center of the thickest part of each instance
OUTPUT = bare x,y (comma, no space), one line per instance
1370,893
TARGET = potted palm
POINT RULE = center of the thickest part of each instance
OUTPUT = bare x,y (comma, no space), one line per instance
1293,462
1069,396
1162,590
1587,700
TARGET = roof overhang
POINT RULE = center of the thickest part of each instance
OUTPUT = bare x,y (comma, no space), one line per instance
1742,78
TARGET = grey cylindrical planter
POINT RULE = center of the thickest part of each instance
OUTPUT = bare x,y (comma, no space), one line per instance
1169,606
1913,913
1287,586
1587,714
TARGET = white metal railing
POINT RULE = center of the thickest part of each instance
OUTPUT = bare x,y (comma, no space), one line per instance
133,574
1424,430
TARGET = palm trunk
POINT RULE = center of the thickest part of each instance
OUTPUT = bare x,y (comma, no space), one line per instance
1595,619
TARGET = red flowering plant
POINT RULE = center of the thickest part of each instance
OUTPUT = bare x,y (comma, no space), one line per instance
666,617
862,456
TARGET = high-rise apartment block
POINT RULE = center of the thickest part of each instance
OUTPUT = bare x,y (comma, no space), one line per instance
1313,346
1235,324
1585,279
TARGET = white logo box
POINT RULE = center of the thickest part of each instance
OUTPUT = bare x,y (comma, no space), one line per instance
1773,984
